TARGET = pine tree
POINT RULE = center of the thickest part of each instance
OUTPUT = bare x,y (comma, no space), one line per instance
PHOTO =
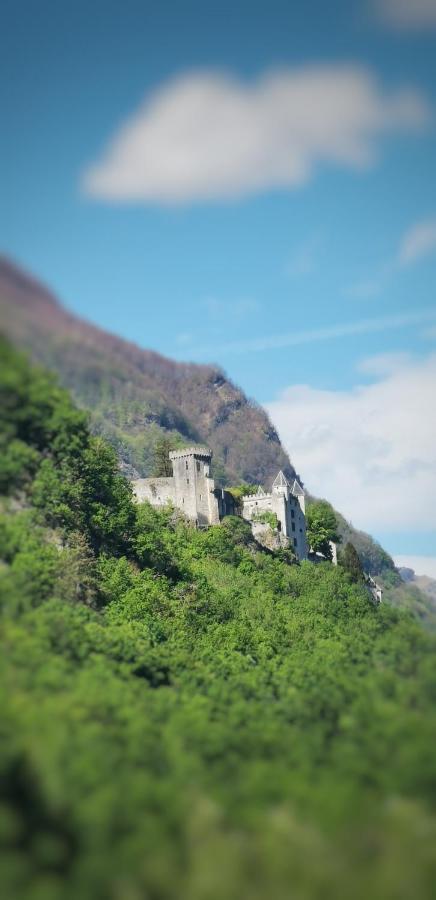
162,467
349,560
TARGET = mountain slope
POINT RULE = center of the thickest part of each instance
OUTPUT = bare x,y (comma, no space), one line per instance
134,394
183,715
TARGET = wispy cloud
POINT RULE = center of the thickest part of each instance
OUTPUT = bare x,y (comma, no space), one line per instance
235,310
406,15
315,335
419,241
184,338
303,259
375,441
208,136
363,290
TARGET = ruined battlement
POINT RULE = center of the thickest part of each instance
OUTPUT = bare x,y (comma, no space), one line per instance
200,452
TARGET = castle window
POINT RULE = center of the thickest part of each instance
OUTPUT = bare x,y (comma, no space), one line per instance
292,514
293,526
295,542
187,481
198,466
200,496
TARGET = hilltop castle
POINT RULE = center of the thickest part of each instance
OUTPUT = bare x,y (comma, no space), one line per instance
286,500
192,489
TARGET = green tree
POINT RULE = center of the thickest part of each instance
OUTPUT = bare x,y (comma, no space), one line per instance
162,466
349,560
321,527
206,720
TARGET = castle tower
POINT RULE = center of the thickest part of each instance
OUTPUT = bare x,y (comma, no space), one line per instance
287,502
280,485
194,486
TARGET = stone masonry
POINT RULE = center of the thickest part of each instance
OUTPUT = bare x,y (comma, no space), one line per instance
286,500
191,489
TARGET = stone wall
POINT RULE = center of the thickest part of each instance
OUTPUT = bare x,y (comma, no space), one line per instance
158,491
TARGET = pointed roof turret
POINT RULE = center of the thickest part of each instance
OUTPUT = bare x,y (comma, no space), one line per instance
281,480
296,489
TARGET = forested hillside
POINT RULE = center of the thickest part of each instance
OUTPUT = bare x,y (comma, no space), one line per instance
183,715
136,395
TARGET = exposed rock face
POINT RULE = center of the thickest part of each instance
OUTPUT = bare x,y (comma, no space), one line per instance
135,394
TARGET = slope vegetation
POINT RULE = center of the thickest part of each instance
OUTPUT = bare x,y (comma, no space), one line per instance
183,715
134,396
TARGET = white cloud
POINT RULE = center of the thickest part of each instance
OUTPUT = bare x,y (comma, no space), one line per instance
207,136
383,364
421,565
419,241
371,450
407,14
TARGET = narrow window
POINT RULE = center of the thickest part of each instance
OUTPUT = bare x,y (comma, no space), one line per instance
187,481
198,466
292,514
186,463
293,526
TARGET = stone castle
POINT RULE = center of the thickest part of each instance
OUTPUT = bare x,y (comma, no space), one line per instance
286,500
192,490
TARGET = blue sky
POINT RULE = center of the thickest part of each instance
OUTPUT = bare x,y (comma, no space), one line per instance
251,184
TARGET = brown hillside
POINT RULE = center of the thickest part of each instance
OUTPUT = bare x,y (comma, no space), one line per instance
134,395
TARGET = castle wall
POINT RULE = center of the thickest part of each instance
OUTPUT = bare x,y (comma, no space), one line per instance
192,490
158,491
253,506
289,513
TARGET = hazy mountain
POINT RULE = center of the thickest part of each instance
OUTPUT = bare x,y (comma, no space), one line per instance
425,584
134,395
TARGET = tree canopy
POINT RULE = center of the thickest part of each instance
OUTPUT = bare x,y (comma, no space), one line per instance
321,527
184,715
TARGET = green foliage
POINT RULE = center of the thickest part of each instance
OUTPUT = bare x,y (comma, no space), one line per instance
321,527
183,715
162,465
243,490
268,518
374,559
349,560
